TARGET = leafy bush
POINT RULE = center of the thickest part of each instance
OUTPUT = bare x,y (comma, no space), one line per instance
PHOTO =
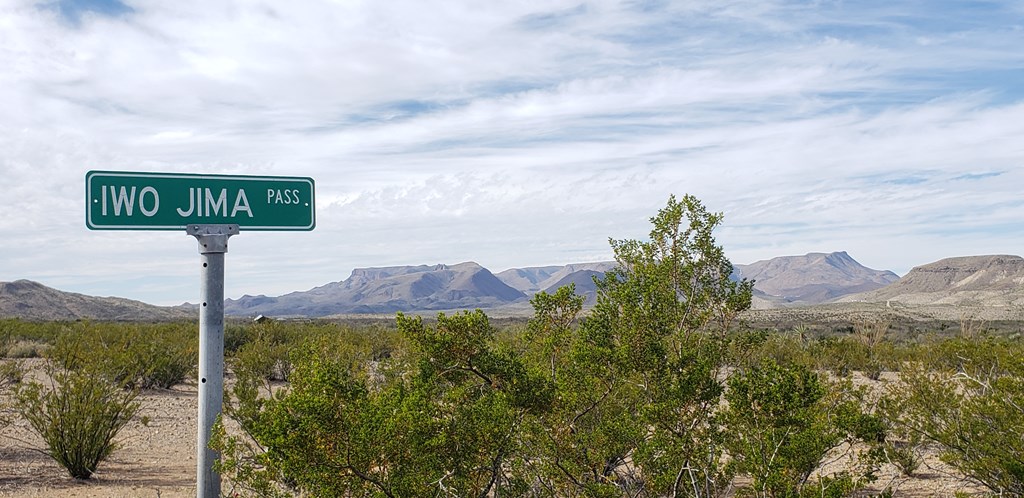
26,349
906,455
974,413
147,357
448,425
983,357
751,348
623,403
265,359
576,405
782,421
77,417
842,356
14,331
11,374
580,445
163,362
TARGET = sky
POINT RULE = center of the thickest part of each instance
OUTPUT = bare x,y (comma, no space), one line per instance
513,133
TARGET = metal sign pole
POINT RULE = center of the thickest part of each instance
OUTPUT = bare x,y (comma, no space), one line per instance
213,243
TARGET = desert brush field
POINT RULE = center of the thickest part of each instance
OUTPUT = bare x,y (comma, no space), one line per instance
859,360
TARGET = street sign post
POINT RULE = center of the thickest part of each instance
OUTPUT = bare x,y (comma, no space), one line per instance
118,200
210,208
213,243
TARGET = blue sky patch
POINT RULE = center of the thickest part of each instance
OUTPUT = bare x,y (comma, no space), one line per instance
551,20
73,10
978,176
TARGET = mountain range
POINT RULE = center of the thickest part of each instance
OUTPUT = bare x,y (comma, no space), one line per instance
805,280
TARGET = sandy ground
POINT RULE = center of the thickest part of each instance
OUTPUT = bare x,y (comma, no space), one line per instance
158,459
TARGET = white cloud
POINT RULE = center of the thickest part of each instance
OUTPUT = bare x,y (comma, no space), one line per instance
514,134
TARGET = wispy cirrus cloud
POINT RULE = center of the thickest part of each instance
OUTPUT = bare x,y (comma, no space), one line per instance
514,134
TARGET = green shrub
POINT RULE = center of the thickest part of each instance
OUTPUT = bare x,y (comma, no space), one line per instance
905,455
77,417
752,348
267,361
26,348
841,356
782,420
641,384
344,426
13,331
155,356
11,373
236,336
975,414
985,356
265,353
163,361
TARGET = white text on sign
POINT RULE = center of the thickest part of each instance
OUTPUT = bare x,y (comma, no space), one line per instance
202,202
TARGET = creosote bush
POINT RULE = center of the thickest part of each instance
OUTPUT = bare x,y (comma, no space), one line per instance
784,419
157,356
11,374
448,427
77,416
970,402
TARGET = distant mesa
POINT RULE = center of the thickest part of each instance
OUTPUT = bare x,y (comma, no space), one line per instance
387,290
994,280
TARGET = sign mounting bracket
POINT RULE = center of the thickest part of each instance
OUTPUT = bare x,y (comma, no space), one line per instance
212,238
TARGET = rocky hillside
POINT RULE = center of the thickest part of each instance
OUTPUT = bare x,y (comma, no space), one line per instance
30,300
542,278
534,279
996,280
813,278
387,290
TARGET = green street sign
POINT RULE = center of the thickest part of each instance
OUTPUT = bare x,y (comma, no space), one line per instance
117,200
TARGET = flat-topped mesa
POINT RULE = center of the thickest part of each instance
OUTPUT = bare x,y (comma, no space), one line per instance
464,285
990,280
964,273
